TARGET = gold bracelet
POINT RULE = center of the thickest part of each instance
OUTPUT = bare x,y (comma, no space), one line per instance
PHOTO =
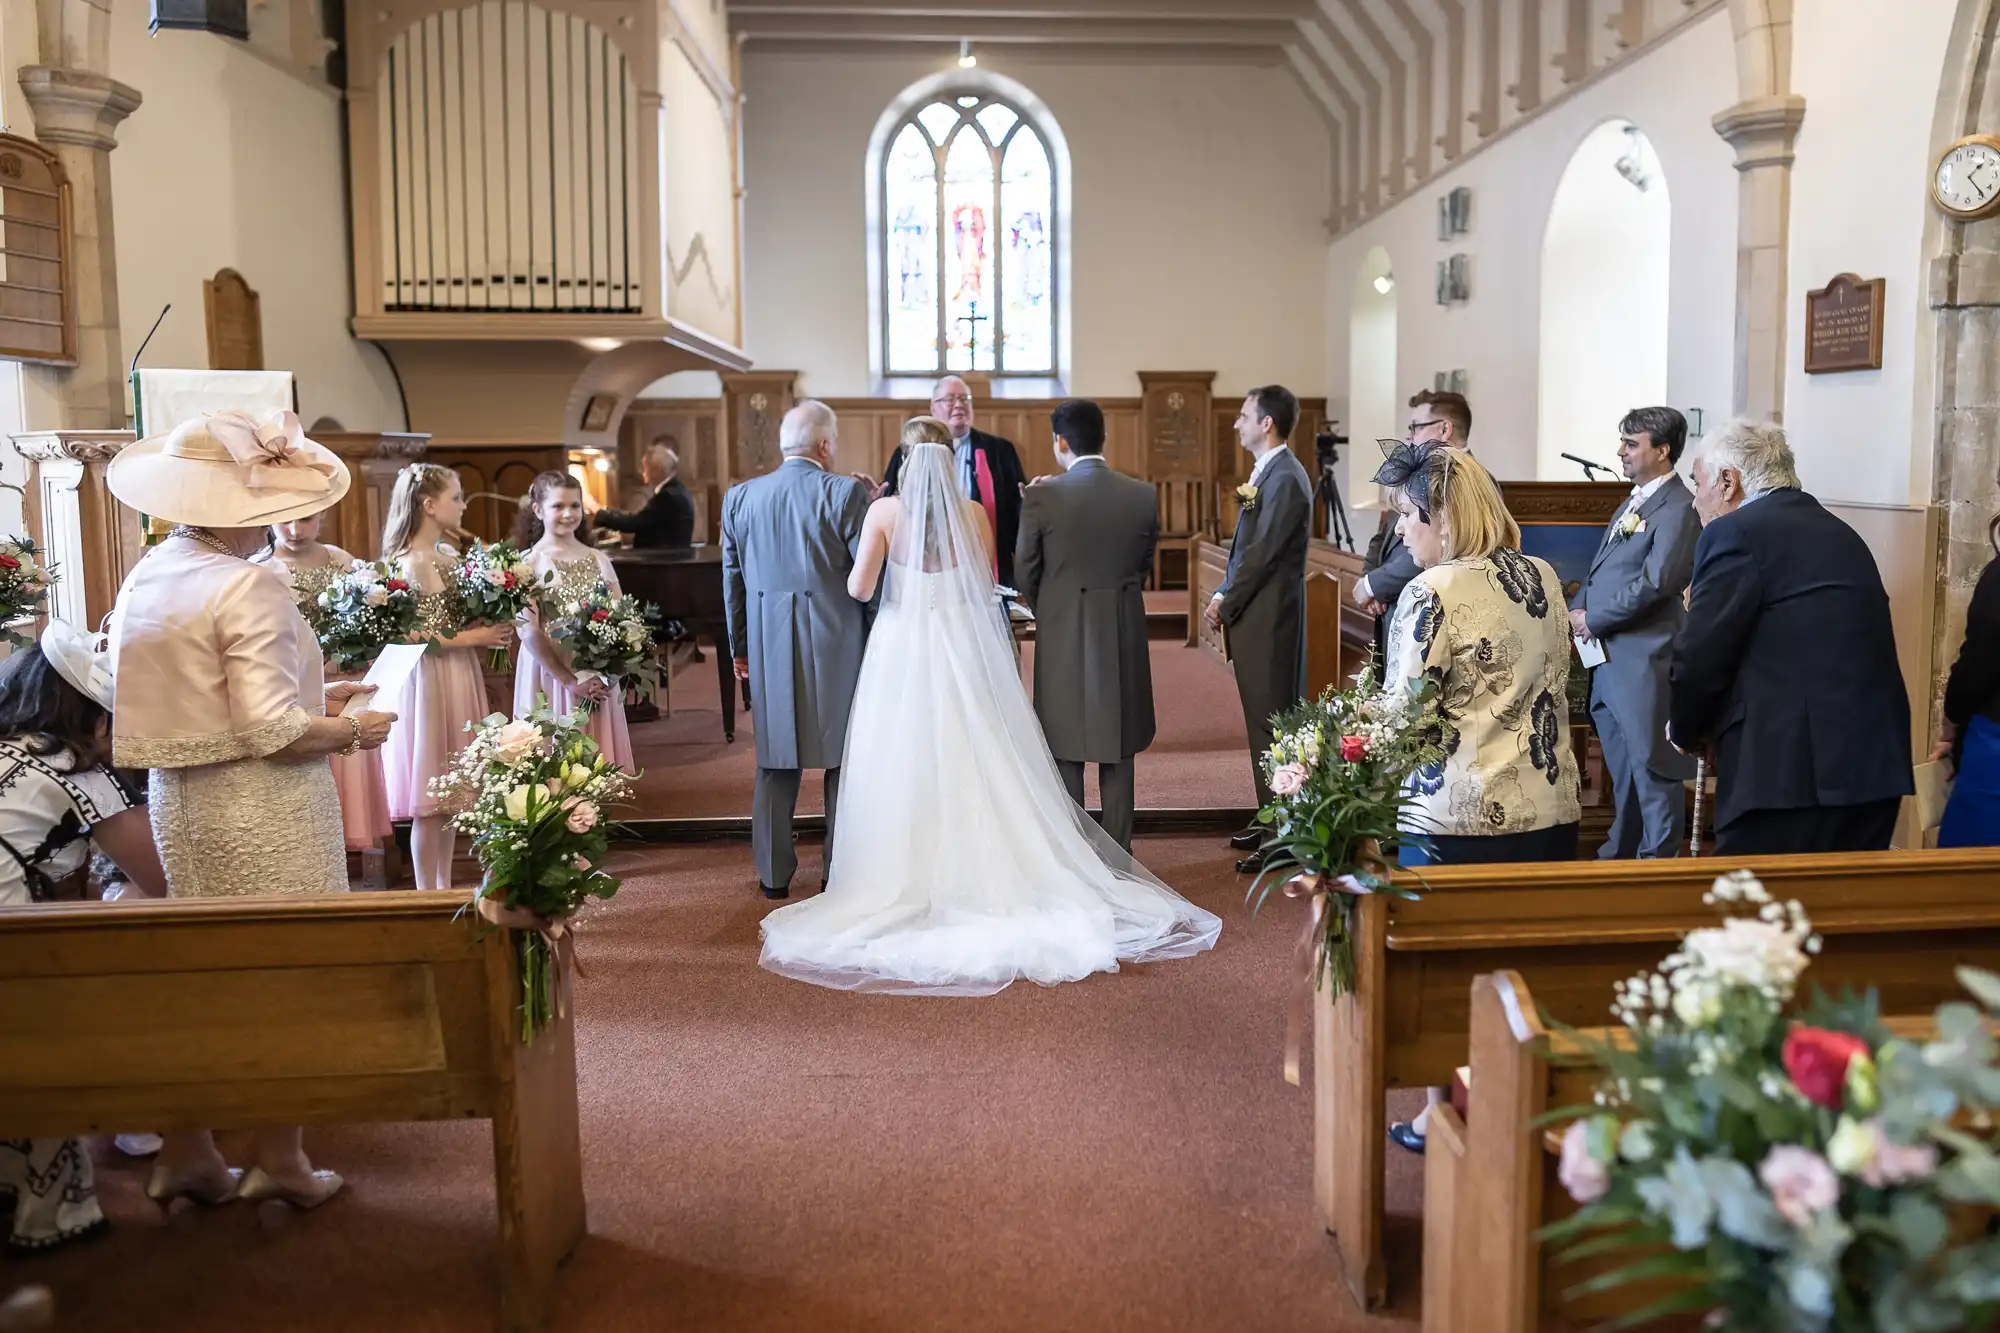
354,725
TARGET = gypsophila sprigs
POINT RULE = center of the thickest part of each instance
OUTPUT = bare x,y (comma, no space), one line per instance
494,585
610,637
362,610
24,586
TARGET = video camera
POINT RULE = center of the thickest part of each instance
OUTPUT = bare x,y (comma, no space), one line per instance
1326,447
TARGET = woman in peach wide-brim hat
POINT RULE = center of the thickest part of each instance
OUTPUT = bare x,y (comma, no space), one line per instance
220,695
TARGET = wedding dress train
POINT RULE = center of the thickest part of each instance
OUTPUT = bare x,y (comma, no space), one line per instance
959,863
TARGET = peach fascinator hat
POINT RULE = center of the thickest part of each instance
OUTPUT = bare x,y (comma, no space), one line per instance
229,470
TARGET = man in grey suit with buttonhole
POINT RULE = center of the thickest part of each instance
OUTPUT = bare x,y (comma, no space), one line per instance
1631,606
788,541
1261,606
1085,548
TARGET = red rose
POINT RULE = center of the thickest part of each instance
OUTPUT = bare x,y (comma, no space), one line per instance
1817,1061
396,585
1353,749
508,581
600,615
9,562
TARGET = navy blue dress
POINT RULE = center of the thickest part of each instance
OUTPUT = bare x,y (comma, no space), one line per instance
1972,704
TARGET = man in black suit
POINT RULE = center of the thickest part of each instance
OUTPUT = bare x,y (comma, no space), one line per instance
989,469
1788,613
666,520
1435,417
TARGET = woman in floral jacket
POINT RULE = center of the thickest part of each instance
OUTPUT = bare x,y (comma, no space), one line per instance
1488,625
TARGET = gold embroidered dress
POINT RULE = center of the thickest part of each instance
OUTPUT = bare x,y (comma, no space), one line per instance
217,673
575,579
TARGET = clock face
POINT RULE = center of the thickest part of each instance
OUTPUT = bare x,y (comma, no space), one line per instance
1967,180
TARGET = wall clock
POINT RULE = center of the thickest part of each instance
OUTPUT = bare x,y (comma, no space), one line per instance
1965,184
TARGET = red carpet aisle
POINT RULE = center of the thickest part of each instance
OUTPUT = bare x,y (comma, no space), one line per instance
1119,1154
1198,759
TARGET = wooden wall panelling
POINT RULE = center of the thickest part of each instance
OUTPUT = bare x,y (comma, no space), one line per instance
374,458
754,403
1176,433
696,427
235,318
495,479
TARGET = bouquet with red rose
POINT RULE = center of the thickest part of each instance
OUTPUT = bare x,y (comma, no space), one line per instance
1339,769
1785,1167
494,585
24,586
362,610
610,637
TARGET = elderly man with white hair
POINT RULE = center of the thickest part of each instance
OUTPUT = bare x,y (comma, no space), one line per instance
666,520
788,543
1785,667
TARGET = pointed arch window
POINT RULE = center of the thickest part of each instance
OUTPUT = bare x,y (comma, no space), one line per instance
968,263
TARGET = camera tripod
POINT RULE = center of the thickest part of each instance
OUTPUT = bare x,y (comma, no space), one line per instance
1338,530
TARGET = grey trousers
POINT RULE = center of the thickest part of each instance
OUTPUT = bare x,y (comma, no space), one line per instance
776,798
1114,784
1649,811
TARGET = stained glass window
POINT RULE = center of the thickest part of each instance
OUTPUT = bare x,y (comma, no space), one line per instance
968,236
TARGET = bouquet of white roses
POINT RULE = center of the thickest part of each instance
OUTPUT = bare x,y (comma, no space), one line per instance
1786,1169
533,793
494,585
610,637
361,611
24,585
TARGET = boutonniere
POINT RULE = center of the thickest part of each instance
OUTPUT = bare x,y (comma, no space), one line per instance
1629,526
1246,497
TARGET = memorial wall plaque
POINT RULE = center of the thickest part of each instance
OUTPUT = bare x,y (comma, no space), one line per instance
1844,326
1174,421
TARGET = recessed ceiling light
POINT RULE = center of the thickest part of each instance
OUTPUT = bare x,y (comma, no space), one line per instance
1386,283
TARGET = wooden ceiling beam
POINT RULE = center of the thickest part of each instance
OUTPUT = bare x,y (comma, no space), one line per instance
1041,30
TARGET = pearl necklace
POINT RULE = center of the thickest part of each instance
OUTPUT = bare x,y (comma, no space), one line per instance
202,535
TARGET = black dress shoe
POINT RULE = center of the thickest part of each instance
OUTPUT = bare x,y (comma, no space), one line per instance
1404,1135
1249,840
770,892
1250,864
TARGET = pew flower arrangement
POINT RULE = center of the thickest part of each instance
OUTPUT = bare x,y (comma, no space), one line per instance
494,585
1786,1169
24,585
532,793
363,609
610,637
1338,769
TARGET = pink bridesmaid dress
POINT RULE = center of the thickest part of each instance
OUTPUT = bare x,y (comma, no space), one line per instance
607,726
445,696
364,795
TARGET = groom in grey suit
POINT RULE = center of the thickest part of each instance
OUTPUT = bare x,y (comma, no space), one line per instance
1261,606
788,542
1631,606
1085,547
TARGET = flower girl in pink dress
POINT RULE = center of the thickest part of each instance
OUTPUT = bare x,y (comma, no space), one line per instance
447,692
548,532
311,565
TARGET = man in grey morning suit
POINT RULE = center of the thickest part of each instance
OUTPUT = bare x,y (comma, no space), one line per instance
1261,606
788,541
1631,605
1085,546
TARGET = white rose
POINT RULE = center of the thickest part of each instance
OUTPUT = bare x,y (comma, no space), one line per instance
377,595
495,577
517,800
515,741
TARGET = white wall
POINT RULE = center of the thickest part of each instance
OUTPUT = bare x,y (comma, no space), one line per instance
1670,92
1199,191
1605,287
234,162
1860,203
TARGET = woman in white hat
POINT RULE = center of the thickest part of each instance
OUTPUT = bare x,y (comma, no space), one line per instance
221,695
58,795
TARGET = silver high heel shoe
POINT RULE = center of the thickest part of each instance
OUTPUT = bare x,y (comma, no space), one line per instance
259,1185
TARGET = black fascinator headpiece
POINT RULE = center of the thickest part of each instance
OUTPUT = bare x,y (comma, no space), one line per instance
1417,470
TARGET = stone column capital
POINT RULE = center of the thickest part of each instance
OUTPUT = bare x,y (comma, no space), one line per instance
1762,129
73,106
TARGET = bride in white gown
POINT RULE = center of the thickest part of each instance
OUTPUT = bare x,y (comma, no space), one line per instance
959,862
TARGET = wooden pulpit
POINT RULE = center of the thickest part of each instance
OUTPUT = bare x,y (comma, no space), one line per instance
92,541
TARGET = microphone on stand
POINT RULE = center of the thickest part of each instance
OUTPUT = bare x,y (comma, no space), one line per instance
1590,469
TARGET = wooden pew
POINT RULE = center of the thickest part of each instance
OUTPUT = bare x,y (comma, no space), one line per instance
1491,1184
1899,921
241,1012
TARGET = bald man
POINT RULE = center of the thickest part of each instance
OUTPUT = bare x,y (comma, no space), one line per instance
989,469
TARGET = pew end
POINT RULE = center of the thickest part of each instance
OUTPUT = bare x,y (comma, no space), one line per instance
342,1009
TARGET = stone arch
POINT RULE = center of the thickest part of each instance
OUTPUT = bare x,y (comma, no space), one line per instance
1964,292
1763,47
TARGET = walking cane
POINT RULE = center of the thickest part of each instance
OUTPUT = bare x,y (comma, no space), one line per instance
1700,802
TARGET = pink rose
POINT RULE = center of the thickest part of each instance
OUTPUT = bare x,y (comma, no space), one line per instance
1581,1174
1894,1163
1288,780
582,817
516,741
1801,1183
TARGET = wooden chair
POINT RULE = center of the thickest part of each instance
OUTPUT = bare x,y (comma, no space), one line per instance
240,1012
1490,1179
1897,920
1184,517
